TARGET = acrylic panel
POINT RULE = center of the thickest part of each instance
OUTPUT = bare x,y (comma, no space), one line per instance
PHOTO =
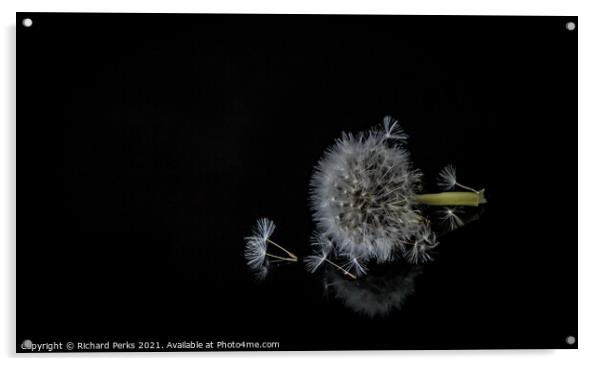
221,182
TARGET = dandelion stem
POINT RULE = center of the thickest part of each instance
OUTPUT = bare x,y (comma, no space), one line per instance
453,198
346,272
291,255
281,258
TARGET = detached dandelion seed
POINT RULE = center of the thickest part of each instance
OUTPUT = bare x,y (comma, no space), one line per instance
447,179
320,255
256,250
392,129
419,254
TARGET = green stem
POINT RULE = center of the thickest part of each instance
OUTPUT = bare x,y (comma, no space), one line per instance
453,198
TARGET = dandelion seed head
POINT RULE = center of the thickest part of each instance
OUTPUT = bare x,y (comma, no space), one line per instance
363,191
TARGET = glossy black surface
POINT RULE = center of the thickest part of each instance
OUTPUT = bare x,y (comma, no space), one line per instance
150,144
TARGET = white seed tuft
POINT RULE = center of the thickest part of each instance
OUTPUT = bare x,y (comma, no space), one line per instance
447,178
256,243
355,265
322,249
421,248
392,129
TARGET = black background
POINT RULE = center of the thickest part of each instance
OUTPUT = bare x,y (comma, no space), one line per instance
150,144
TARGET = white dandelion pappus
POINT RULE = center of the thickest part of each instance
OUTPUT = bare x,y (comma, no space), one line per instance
363,191
356,266
265,228
392,129
447,178
314,261
382,251
323,248
256,249
255,252
420,249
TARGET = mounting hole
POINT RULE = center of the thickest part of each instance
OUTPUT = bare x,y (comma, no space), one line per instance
27,22
570,340
571,26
